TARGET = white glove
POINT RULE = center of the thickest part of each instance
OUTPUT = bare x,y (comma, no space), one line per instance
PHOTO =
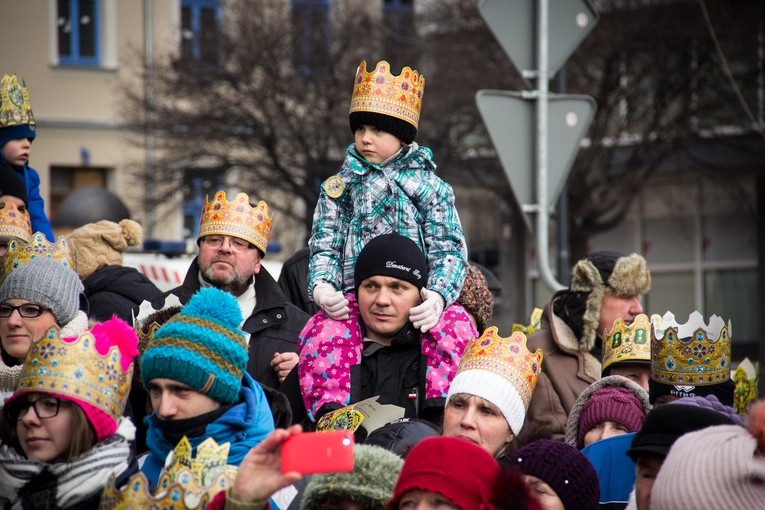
424,316
331,301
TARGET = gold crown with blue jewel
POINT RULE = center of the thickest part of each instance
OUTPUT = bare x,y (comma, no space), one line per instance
186,482
20,253
379,91
628,343
15,106
236,218
694,353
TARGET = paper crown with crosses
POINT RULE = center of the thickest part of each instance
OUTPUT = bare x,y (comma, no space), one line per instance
15,224
76,368
237,219
694,353
186,482
19,253
628,343
746,377
500,370
150,319
378,91
15,106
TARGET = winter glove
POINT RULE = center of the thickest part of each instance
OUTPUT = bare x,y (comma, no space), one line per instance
424,316
331,301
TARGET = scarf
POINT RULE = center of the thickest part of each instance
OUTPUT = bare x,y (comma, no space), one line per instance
27,483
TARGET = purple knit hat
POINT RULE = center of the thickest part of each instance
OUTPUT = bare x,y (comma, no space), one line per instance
564,468
610,403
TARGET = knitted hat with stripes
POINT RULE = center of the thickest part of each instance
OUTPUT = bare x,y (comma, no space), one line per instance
201,347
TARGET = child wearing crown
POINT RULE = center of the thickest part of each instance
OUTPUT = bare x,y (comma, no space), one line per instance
17,132
387,183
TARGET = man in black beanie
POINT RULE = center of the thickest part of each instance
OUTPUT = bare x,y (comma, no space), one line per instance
605,286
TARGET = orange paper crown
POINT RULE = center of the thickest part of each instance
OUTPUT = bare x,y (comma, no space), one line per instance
379,91
15,106
76,369
237,219
694,353
15,224
19,253
628,343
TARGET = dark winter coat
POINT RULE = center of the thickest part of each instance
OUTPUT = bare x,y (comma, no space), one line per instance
117,290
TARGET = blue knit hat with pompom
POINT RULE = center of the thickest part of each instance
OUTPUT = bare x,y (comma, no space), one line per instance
201,346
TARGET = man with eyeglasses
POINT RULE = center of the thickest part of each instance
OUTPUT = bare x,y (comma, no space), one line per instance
233,236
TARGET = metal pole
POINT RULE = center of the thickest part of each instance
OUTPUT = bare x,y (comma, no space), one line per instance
148,41
543,214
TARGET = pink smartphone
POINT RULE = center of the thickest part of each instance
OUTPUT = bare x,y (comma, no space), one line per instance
318,452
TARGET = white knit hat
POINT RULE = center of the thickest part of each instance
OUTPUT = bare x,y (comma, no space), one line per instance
717,468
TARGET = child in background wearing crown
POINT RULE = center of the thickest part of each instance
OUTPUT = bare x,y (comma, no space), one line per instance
387,183
62,431
17,132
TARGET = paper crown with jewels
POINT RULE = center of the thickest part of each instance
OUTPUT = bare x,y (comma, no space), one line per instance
15,106
746,378
75,368
628,343
501,370
378,91
694,353
186,482
237,219
19,252
15,224
150,319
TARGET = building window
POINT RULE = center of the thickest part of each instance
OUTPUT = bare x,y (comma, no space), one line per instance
199,30
78,26
311,31
65,179
399,21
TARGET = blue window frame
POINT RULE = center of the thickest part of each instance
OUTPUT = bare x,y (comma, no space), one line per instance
78,24
199,30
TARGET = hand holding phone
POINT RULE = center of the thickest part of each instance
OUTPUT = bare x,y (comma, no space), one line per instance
318,452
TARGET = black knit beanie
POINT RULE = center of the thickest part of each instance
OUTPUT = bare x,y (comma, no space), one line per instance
392,255
401,129
11,183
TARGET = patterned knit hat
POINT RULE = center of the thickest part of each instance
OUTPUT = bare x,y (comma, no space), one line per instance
370,484
564,468
392,255
716,468
476,297
500,370
459,470
46,282
93,370
101,244
201,346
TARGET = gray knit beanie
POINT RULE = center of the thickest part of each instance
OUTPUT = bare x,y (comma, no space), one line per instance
371,483
717,468
46,282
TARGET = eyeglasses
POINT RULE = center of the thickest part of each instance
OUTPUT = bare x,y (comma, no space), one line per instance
236,243
46,407
27,310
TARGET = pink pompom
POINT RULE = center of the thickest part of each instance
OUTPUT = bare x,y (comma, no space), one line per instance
116,332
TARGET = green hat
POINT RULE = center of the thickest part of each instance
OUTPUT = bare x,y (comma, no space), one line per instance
371,482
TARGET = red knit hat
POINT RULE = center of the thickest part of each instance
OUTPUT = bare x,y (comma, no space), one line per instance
465,479
611,403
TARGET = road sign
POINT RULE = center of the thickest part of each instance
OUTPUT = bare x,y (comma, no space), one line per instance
510,120
513,23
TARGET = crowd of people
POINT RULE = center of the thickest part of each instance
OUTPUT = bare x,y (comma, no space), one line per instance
381,327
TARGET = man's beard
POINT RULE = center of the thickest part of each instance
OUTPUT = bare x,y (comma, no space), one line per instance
235,284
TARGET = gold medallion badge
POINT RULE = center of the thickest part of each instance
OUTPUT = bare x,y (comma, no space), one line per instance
334,186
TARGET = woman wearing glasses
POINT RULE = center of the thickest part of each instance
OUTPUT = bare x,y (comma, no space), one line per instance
62,433
37,295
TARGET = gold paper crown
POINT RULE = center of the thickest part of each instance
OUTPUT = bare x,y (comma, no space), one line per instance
19,253
693,353
77,370
15,106
506,357
15,224
185,482
747,378
628,343
379,91
236,218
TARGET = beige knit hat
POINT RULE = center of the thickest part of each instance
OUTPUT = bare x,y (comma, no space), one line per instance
100,244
